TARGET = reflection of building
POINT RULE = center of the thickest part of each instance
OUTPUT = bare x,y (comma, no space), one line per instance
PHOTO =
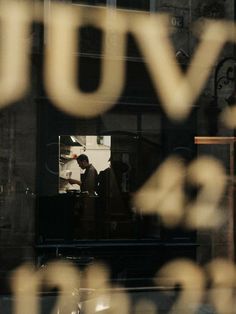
142,137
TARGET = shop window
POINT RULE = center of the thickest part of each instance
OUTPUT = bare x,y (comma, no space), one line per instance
101,209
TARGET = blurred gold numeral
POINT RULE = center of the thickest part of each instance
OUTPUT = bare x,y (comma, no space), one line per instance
222,275
112,299
208,174
164,195
26,284
190,278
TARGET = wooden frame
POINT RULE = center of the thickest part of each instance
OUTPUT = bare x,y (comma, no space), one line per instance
226,140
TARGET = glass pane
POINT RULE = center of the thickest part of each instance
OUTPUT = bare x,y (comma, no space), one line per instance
89,2
134,4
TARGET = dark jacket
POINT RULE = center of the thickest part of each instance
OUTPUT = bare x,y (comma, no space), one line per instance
89,179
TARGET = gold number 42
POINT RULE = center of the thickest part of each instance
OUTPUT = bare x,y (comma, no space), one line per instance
164,193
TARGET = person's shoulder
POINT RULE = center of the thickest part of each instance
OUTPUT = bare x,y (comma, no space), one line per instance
104,172
92,168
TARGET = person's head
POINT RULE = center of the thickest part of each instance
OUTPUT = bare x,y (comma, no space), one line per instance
83,161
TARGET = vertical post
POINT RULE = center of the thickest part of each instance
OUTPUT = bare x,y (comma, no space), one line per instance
153,6
111,3
231,231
